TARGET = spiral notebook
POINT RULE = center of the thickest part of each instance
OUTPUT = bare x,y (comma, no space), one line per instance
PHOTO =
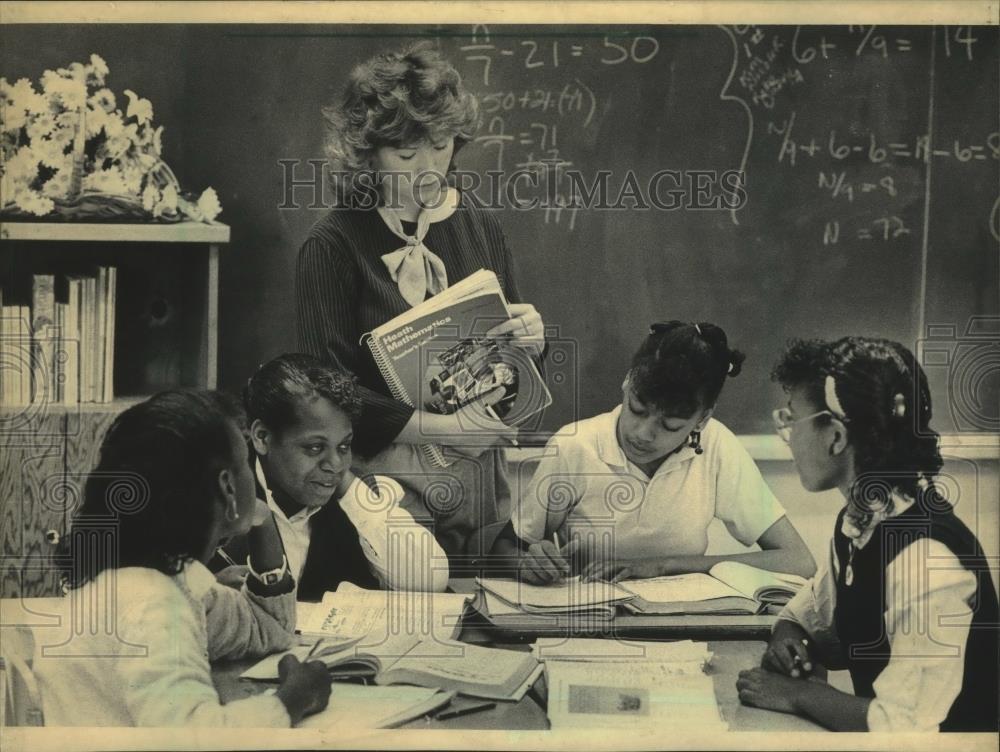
436,357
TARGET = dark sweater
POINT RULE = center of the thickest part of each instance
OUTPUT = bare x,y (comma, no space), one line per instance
343,291
859,614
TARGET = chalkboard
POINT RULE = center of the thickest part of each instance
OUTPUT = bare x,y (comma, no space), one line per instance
871,158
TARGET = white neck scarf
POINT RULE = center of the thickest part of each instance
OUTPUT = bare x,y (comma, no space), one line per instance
415,268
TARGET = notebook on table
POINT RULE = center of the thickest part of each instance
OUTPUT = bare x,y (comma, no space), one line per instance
491,673
571,596
730,587
359,707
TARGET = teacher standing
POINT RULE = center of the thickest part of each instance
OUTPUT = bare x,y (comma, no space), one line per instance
399,235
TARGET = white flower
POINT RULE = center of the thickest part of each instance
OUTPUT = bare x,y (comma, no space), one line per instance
103,99
71,92
167,203
98,69
106,181
150,195
57,186
140,109
208,205
34,203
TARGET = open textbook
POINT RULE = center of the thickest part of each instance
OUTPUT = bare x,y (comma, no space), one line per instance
453,666
436,357
352,613
572,595
356,706
730,587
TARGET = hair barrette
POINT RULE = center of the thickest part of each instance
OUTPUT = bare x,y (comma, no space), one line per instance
832,401
697,328
730,368
899,405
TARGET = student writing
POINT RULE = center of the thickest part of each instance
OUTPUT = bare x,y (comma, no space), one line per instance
636,488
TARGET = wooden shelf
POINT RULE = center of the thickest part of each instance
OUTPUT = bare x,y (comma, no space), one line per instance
181,232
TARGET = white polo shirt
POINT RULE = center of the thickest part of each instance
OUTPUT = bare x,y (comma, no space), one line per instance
585,485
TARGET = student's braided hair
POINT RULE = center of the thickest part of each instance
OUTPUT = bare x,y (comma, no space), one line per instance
680,367
886,404
272,393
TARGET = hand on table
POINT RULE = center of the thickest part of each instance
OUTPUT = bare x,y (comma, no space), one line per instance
787,655
613,571
305,687
765,689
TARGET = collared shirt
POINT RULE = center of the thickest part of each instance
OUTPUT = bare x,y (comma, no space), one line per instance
927,624
143,656
417,561
585,485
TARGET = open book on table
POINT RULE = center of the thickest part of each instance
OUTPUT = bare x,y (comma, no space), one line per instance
730,587
359,707
352,613
436,357
571,596
448,665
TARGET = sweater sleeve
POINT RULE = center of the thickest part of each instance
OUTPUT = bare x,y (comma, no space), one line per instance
325,283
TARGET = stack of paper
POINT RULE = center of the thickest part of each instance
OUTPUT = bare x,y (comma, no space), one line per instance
571,596
358,707
684,653
352,612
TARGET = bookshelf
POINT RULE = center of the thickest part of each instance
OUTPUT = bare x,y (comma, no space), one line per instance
166,336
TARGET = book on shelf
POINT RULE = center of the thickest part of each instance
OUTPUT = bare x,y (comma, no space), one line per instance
68,340
17,357
448,665
436,357
730,587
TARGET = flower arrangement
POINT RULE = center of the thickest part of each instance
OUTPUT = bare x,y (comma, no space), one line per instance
69,151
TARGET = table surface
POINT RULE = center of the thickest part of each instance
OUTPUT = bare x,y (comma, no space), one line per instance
730,657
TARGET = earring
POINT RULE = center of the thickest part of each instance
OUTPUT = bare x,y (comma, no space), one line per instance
231,514
694,441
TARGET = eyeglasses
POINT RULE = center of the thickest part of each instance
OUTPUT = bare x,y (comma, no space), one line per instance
783,421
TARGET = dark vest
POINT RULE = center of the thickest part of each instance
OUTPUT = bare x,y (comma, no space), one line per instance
859,615
334,556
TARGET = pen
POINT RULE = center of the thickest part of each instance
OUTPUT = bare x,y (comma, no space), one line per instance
226,557
797,660
467,710
493,414
313,649
555,539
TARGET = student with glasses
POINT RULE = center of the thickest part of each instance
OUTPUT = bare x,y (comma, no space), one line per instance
904,600
632,492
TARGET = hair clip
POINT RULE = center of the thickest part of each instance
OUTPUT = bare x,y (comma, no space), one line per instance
697,328
730,368
832,401
899,405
